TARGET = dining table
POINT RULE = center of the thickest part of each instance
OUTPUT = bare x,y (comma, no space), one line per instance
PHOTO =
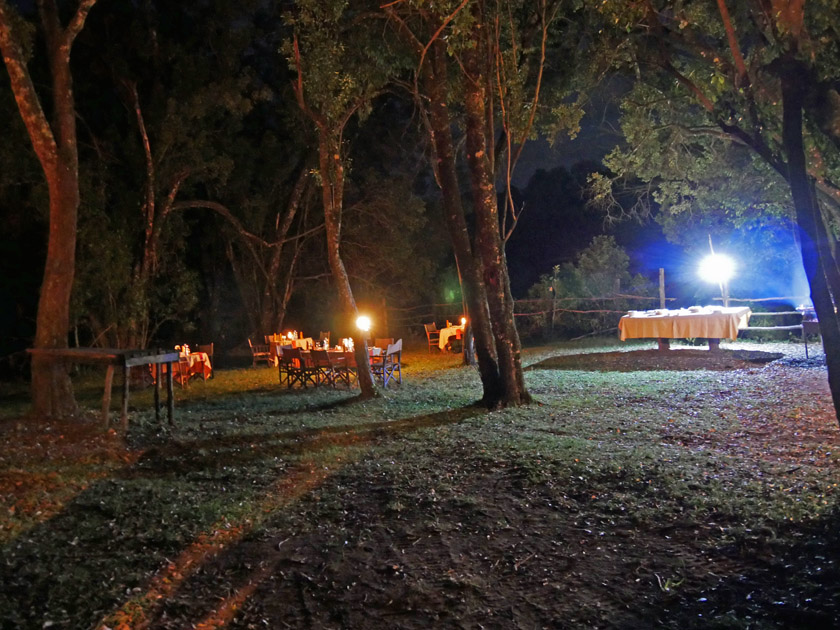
196,364
696,322
447,333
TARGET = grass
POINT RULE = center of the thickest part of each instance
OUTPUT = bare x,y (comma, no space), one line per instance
618,499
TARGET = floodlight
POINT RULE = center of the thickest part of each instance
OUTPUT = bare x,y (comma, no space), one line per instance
463,321
363,323
717,268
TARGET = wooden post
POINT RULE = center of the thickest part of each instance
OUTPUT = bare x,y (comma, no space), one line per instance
158,374
124,415
661,287
170,395
106,396
554,296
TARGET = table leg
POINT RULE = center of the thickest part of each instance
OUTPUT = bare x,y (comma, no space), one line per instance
664,344
170,395
124,415
156,368
714,345
106,396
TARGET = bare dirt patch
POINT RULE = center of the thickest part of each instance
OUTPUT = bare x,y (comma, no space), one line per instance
681,359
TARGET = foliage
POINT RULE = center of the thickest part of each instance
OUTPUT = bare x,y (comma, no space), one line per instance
599,276
702,127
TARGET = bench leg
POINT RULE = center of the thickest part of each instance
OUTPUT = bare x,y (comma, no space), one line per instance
714,345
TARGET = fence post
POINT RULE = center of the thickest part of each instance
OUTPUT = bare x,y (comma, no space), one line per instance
554,296
662,287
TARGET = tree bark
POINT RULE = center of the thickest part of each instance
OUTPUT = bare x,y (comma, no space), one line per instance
807,217
489,241
435,77
55,146
332,187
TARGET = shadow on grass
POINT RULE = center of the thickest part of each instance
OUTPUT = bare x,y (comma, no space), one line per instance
96,555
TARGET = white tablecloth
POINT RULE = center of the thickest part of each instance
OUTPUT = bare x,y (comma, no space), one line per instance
710,322
446,333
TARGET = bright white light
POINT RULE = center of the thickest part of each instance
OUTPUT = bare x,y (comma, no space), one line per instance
363,323
717,268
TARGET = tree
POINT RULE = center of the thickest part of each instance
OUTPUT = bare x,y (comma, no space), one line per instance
339,72
764,77
55,145
488,59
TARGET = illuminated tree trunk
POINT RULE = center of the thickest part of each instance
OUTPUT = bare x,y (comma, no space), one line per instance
55,146
332,188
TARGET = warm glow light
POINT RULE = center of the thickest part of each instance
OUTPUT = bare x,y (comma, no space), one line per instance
463,321
363,323
717,268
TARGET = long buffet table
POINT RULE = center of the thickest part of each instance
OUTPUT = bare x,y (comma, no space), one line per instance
698,322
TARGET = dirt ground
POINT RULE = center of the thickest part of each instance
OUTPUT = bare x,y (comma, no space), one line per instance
494,549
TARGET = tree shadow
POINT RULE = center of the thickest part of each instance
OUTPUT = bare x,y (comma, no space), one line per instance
171,504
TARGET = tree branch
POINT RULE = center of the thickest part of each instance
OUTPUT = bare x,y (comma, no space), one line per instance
29,105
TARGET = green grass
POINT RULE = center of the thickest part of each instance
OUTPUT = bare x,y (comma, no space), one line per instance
571,509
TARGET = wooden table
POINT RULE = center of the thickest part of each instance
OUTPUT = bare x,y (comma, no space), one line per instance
127,359
712,322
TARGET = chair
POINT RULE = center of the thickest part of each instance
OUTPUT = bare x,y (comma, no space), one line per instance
208,350
260,352
284,363
432,334
390,364
297,369
321,367
180,371
345,368
383,343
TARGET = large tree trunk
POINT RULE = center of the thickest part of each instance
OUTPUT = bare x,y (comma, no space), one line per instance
55,146
52,391
471,280
807,217
332,186
489,241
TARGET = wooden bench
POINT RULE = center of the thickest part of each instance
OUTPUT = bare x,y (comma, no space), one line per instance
111,357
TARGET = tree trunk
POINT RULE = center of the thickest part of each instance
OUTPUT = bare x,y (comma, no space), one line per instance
52,391
807,216
471,280
332,187
55,146
489,242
